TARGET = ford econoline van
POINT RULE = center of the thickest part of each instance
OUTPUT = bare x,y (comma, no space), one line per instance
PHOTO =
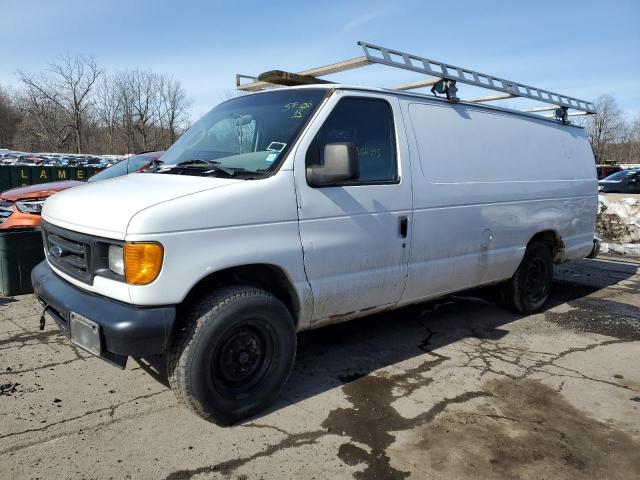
292,208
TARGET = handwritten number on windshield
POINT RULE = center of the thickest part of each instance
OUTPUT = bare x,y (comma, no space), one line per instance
297,109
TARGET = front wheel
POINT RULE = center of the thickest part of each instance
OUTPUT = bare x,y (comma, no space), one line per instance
529,288
232,354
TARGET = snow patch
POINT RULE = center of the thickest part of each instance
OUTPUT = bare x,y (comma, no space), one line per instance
619,222
627,249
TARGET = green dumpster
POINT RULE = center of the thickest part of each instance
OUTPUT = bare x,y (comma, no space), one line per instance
20,176
5,178
21,249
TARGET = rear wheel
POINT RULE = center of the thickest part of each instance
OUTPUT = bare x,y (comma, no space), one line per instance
529,288
232,354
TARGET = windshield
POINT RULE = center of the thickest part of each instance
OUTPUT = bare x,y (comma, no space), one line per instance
246,135
620,175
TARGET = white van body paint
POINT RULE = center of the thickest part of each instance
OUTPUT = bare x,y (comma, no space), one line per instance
485,182
476,183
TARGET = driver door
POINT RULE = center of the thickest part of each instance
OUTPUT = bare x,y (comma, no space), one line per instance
355,235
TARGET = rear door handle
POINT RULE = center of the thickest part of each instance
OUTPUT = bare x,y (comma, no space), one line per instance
404,226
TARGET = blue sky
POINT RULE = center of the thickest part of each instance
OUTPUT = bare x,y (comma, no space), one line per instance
579,48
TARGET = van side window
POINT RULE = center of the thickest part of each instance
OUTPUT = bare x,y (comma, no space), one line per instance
368,123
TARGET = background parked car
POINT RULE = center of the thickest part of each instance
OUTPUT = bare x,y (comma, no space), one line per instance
605,170
55,162
91,162
624,181
71,161
10,158
21,207
28,160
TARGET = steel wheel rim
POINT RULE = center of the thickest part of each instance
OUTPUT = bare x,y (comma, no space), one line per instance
243,358
537,280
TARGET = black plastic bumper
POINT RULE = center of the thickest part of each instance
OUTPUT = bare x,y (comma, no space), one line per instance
125,330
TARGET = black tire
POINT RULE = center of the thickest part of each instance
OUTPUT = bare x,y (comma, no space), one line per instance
232,353
529,288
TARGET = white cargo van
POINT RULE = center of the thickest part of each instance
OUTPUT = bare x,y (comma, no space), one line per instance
291,208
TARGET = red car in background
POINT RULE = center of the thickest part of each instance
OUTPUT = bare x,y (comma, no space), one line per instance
605,170
21,207
28,160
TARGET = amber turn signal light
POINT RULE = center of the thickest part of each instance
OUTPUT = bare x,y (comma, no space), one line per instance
142,262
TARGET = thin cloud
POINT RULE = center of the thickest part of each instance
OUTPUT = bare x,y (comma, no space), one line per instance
359,21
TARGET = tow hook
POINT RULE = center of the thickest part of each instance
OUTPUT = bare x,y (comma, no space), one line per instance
596,248
42,319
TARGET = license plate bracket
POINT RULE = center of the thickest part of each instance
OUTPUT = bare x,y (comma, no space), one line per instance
85,333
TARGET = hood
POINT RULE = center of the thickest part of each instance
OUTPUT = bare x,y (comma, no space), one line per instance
105,208
41,190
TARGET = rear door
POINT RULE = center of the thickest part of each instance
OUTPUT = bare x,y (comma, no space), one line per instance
354,235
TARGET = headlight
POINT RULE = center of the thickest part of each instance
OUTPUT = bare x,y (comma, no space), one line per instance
139,263
600,188
30,206
142,262
116,259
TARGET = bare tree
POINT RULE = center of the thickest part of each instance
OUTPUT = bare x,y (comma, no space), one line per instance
66,84
9,119
125,111
75,102
634,141
44,124
106,106
143,92
175,106
604,128
152,108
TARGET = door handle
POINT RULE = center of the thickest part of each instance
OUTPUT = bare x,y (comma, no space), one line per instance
404,226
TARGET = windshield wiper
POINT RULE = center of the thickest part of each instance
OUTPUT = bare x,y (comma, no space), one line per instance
212,165
195,162
218,168
205,167
158,165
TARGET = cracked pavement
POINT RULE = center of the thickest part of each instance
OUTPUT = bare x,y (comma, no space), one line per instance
454,388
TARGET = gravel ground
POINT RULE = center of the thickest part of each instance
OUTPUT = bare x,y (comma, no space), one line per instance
457,388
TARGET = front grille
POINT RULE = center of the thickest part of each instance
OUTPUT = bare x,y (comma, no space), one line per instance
5,211
67,251
79,255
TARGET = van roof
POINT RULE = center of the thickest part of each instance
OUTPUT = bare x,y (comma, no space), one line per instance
417,95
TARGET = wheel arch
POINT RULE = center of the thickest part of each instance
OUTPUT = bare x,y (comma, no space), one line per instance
554,241
268,277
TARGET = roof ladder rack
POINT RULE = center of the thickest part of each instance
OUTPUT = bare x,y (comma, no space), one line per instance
446,77
445,71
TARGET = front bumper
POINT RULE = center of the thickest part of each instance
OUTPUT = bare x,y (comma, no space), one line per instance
125,330
11,217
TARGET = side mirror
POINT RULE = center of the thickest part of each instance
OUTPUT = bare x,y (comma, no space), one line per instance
340,165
